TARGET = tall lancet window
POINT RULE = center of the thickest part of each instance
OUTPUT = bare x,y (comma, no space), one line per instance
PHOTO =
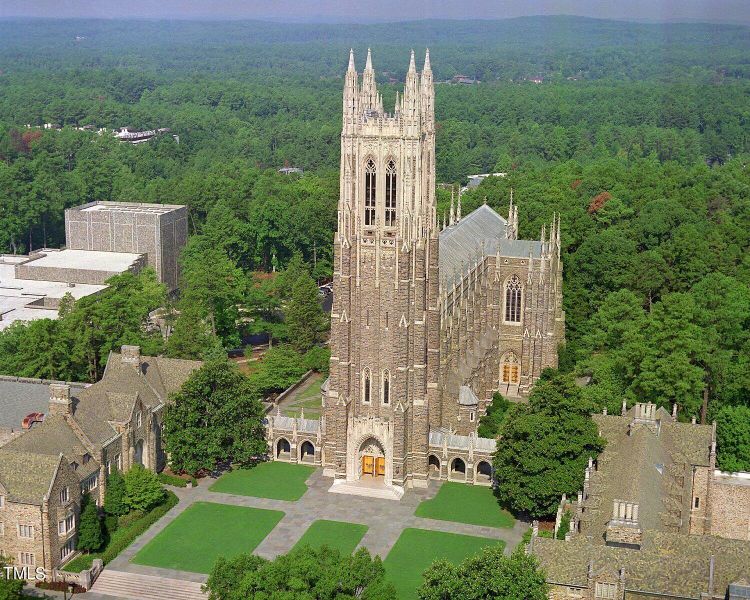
370,177
390,194
513,291
366,385
386,387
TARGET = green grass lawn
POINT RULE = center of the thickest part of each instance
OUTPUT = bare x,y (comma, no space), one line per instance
472,504
417,549
335,534
205,531
277,480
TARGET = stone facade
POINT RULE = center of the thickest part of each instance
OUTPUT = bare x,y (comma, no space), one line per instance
86,433
157,230
426,323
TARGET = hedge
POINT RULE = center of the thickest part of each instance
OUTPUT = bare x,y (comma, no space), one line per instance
123,536
172,480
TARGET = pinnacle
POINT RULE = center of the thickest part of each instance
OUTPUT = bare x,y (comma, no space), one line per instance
427,60
368,65
412,65
351,59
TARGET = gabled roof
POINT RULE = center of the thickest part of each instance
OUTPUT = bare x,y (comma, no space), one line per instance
27,477
51,438
462,243
466,397
20,396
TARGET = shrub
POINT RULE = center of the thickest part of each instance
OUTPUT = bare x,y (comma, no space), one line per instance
130,518
564,525
142,489
317,359
114,497
173,480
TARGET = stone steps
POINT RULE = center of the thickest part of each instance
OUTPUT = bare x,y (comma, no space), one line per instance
133,586
359,488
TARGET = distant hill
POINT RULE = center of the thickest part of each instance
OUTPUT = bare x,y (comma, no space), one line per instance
486,50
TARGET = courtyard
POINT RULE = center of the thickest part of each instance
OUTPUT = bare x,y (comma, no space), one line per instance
265,510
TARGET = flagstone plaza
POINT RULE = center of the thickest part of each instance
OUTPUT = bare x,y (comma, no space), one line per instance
208,522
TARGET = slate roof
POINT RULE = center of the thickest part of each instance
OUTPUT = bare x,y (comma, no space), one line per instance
466,397
26,477
635,468
668,563
52,438
461,243
20,396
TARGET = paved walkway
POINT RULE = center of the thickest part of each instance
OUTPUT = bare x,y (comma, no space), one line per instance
386,520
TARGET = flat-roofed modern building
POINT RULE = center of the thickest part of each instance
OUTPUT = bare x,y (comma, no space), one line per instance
157,230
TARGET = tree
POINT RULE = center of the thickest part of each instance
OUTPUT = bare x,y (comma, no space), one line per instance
90,535
10,587
317,574
114,496
143,491
304,315
280,367
492,420
216,416
733,438
490,574
544,446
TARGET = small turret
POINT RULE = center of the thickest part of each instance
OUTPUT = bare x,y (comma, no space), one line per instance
369,89
411,89
350,89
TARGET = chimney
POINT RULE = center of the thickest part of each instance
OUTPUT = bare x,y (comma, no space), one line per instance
60,402
623,529
131,355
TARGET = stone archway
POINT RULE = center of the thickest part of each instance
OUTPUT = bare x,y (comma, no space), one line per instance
307,452
283,449
371,460
458,469
484,472
433,463
138,453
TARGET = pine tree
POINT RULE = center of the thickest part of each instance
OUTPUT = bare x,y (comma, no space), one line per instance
114,497
90,536
304,315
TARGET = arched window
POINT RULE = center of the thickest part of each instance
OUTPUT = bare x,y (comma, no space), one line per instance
510,369
366,386
390,194
513,291
386,387
370,177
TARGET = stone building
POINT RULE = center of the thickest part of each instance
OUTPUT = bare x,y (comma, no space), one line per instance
157,230
86,433
654,518
426,323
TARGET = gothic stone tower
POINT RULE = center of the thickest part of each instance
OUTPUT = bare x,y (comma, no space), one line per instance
385,330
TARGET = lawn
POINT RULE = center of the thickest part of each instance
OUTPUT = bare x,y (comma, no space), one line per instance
205,531
335,534
277,480
472,504
417,549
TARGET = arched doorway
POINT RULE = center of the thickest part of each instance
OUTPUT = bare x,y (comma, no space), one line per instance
283,449
371,460
307,452
510,369
434,465
458,469
138,454
484,472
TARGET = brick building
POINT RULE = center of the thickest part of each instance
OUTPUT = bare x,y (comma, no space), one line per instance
654,518
426,322
86,432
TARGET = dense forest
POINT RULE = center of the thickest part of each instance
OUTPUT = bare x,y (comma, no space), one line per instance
638,135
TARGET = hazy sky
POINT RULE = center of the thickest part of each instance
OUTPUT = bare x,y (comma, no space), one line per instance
729,11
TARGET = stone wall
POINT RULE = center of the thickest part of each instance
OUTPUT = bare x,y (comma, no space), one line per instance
730,507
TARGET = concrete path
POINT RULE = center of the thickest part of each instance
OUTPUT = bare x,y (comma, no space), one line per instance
386,519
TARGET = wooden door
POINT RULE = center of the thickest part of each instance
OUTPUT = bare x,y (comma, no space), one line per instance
380,466
368,465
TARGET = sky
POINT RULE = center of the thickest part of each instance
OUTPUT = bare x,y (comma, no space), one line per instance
722,11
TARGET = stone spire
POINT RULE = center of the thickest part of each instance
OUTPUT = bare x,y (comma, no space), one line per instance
452,220
350,89
428,92
411,89
369,89
458,210
509,233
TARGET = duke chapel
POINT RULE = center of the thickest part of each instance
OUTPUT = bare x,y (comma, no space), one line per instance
426,323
